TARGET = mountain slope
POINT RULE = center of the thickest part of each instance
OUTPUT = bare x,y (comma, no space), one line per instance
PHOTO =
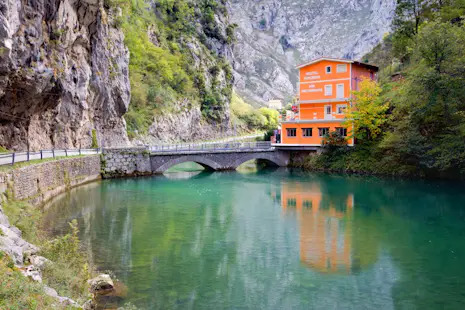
276,35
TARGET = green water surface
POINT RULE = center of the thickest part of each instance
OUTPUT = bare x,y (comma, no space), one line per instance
274,240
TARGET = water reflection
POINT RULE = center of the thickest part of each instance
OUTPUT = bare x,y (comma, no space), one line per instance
326,227
274,240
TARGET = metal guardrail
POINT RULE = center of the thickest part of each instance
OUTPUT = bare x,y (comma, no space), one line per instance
16,157
210,147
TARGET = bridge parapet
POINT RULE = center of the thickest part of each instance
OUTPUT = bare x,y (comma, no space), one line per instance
215,156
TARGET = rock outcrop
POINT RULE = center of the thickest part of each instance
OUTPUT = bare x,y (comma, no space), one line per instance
11,241
63,74
186,124
276,35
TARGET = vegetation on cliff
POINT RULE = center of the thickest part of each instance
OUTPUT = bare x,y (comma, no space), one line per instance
247,117
423,84
178,51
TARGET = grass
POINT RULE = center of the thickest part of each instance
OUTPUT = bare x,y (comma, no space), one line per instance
70,271
19,292
25,217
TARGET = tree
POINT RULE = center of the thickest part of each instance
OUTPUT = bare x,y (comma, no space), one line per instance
408,17
367,113
272,118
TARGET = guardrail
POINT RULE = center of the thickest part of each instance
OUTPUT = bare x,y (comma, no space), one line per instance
210,147
16,157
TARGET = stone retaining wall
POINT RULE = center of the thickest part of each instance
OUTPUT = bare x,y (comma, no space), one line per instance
39,182
126,162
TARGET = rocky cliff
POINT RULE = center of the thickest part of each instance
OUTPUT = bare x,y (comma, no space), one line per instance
63,74
276,35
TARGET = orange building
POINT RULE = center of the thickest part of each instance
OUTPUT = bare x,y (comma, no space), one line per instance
325,88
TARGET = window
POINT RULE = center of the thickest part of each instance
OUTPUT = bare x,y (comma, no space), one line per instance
341,68
328,69
307,204
340,91
342,131
291,203
328,90
341,108
307,132
329,110
323,131
292,132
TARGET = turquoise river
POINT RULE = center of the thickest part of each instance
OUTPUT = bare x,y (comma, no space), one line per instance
274,239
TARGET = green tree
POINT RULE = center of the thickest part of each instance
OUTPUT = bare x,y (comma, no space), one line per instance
367,112
272,118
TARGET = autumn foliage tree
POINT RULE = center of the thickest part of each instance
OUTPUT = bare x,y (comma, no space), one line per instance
367,113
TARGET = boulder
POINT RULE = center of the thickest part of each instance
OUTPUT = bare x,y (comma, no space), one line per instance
101,285
39,261
33,272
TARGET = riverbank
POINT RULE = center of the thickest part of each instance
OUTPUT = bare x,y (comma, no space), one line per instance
40,269
369,160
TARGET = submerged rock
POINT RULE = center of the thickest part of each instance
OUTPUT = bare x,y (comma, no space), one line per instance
101,285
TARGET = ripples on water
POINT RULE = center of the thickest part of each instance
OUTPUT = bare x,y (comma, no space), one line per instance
274,240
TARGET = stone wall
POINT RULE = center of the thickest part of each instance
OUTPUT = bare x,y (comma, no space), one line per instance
126,162
218,160
38,183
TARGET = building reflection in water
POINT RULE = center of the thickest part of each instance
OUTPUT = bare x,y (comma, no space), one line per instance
326,226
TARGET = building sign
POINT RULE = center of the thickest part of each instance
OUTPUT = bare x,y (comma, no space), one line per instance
314,75
312,89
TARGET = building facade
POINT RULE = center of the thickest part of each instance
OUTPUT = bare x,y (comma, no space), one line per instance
276,104
325,88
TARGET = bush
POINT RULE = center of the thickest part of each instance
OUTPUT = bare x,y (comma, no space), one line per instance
94,139
69,271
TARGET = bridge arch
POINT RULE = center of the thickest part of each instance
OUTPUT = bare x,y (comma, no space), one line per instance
270,157
205,162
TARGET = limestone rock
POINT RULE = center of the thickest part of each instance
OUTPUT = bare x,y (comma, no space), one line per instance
64,301
38,261
101,285
11,242
276,35
63,72
33,272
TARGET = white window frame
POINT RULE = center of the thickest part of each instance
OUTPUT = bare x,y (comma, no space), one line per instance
329,93
340,106
303,132
320,129
339,70
330,69
343,90
328,115
338,129
288,130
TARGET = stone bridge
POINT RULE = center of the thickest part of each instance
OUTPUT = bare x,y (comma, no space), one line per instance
156,160
218,160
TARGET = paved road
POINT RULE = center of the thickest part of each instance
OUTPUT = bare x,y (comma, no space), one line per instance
7,158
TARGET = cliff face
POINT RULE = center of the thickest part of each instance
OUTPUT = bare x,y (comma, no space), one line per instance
63,73
276,35
200,111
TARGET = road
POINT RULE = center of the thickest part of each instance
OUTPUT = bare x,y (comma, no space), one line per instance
7,158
